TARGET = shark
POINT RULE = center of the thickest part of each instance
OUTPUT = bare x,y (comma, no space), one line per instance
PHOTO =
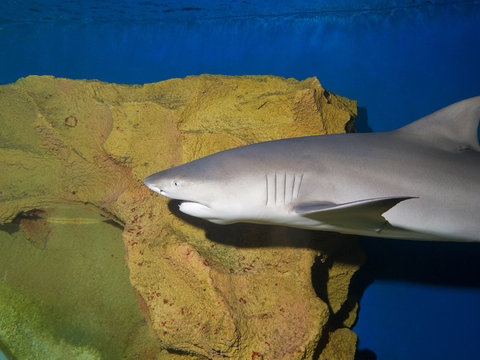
419,182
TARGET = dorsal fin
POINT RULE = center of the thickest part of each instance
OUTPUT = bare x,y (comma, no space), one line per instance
452,128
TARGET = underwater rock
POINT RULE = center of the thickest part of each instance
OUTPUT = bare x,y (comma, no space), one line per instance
206,291
64,288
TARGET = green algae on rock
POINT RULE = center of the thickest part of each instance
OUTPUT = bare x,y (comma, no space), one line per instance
207,292
69,298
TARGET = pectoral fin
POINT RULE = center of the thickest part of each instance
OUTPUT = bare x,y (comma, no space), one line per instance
363,214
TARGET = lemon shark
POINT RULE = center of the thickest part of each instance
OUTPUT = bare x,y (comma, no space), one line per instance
418,182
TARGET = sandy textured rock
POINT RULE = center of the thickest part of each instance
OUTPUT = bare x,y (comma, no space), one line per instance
64,288
341,345
207,291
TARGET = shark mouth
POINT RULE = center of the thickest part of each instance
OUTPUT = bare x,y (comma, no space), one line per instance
155,189
195,209
187,202
203,211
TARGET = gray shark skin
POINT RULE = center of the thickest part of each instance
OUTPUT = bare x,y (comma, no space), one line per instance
419,182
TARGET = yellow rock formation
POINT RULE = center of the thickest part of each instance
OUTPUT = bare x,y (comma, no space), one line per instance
207,291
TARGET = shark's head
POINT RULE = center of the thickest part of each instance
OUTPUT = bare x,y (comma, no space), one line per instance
177,184
209,188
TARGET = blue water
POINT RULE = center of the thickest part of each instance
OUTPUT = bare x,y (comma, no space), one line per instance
400,62
438,322
422,300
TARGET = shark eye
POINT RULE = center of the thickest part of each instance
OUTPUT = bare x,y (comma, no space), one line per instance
175,183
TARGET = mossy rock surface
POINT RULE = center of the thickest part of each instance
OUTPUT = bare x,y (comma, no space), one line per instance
75,212
65,292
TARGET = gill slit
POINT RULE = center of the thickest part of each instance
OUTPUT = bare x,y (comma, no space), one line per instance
266,184
275,188
299,186
293,187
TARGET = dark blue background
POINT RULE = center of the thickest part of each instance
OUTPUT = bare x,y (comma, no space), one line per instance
401,60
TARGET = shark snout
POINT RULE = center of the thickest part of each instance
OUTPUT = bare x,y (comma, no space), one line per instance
152,185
